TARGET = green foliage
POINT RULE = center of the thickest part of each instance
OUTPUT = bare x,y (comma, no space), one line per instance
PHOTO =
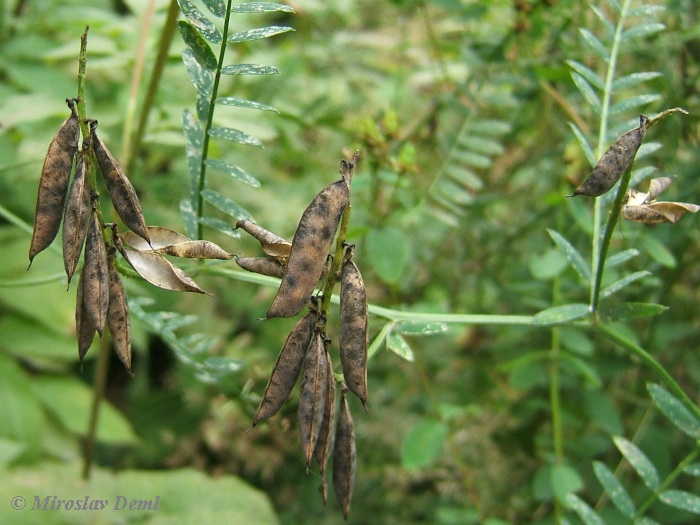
523,328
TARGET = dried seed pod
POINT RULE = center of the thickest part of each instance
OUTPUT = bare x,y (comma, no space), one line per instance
656,186
310,246
286,370
344,456
95,275
641,207
170,242
326,434
76,217
53,185
118,314
157,270
614,162
353,327
84,327
673,211
262,265
272,244
121,192
642,214
313,394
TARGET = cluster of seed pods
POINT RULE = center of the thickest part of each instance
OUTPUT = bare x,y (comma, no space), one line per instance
300,265
101,298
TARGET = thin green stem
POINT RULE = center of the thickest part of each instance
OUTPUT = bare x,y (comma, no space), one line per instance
668,480
101,370
597,257
210,119
647,358
166,39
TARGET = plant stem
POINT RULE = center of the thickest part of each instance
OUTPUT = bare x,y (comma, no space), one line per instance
101,369
210,118
654,364
598,252
161,59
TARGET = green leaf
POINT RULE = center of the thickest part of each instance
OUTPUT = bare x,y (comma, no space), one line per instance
420,327
219,225
484,145
261,7
242,103
632,103
233,170
627,311
387,251
19,337
494,128
585,145
257,34
547,265
645,521
202,79
200,22
657,251
693,470
471,159
621,257
584,511
634,79
423,444
681,499
621,283
642,31
616,492
565,480
234,135
561,314
588,93
197,45
225,204
587,73
674,410
189,218
248,69
217,7
602,411
399,346
572,255
640,463
70,401
194,140
595,44
646,10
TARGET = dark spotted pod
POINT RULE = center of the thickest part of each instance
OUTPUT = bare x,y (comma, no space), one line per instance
310,247
121,192
353,327
287,367
76,217
53,185
614,162
344,456
313,394
118,314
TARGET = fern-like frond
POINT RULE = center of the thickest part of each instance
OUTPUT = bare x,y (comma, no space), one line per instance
459,177
204,67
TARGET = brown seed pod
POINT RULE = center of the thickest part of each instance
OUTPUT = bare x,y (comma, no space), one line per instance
95,275
286,370
313,394
121,192
76,217
344,456
169,242
84,327
310,246
118,314
353,327
641,207
262,265
53,185
326,434
614,162
272,244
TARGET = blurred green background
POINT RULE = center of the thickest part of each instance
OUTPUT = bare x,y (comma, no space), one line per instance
461,111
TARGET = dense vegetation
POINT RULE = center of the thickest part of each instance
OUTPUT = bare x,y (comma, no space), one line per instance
495,396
